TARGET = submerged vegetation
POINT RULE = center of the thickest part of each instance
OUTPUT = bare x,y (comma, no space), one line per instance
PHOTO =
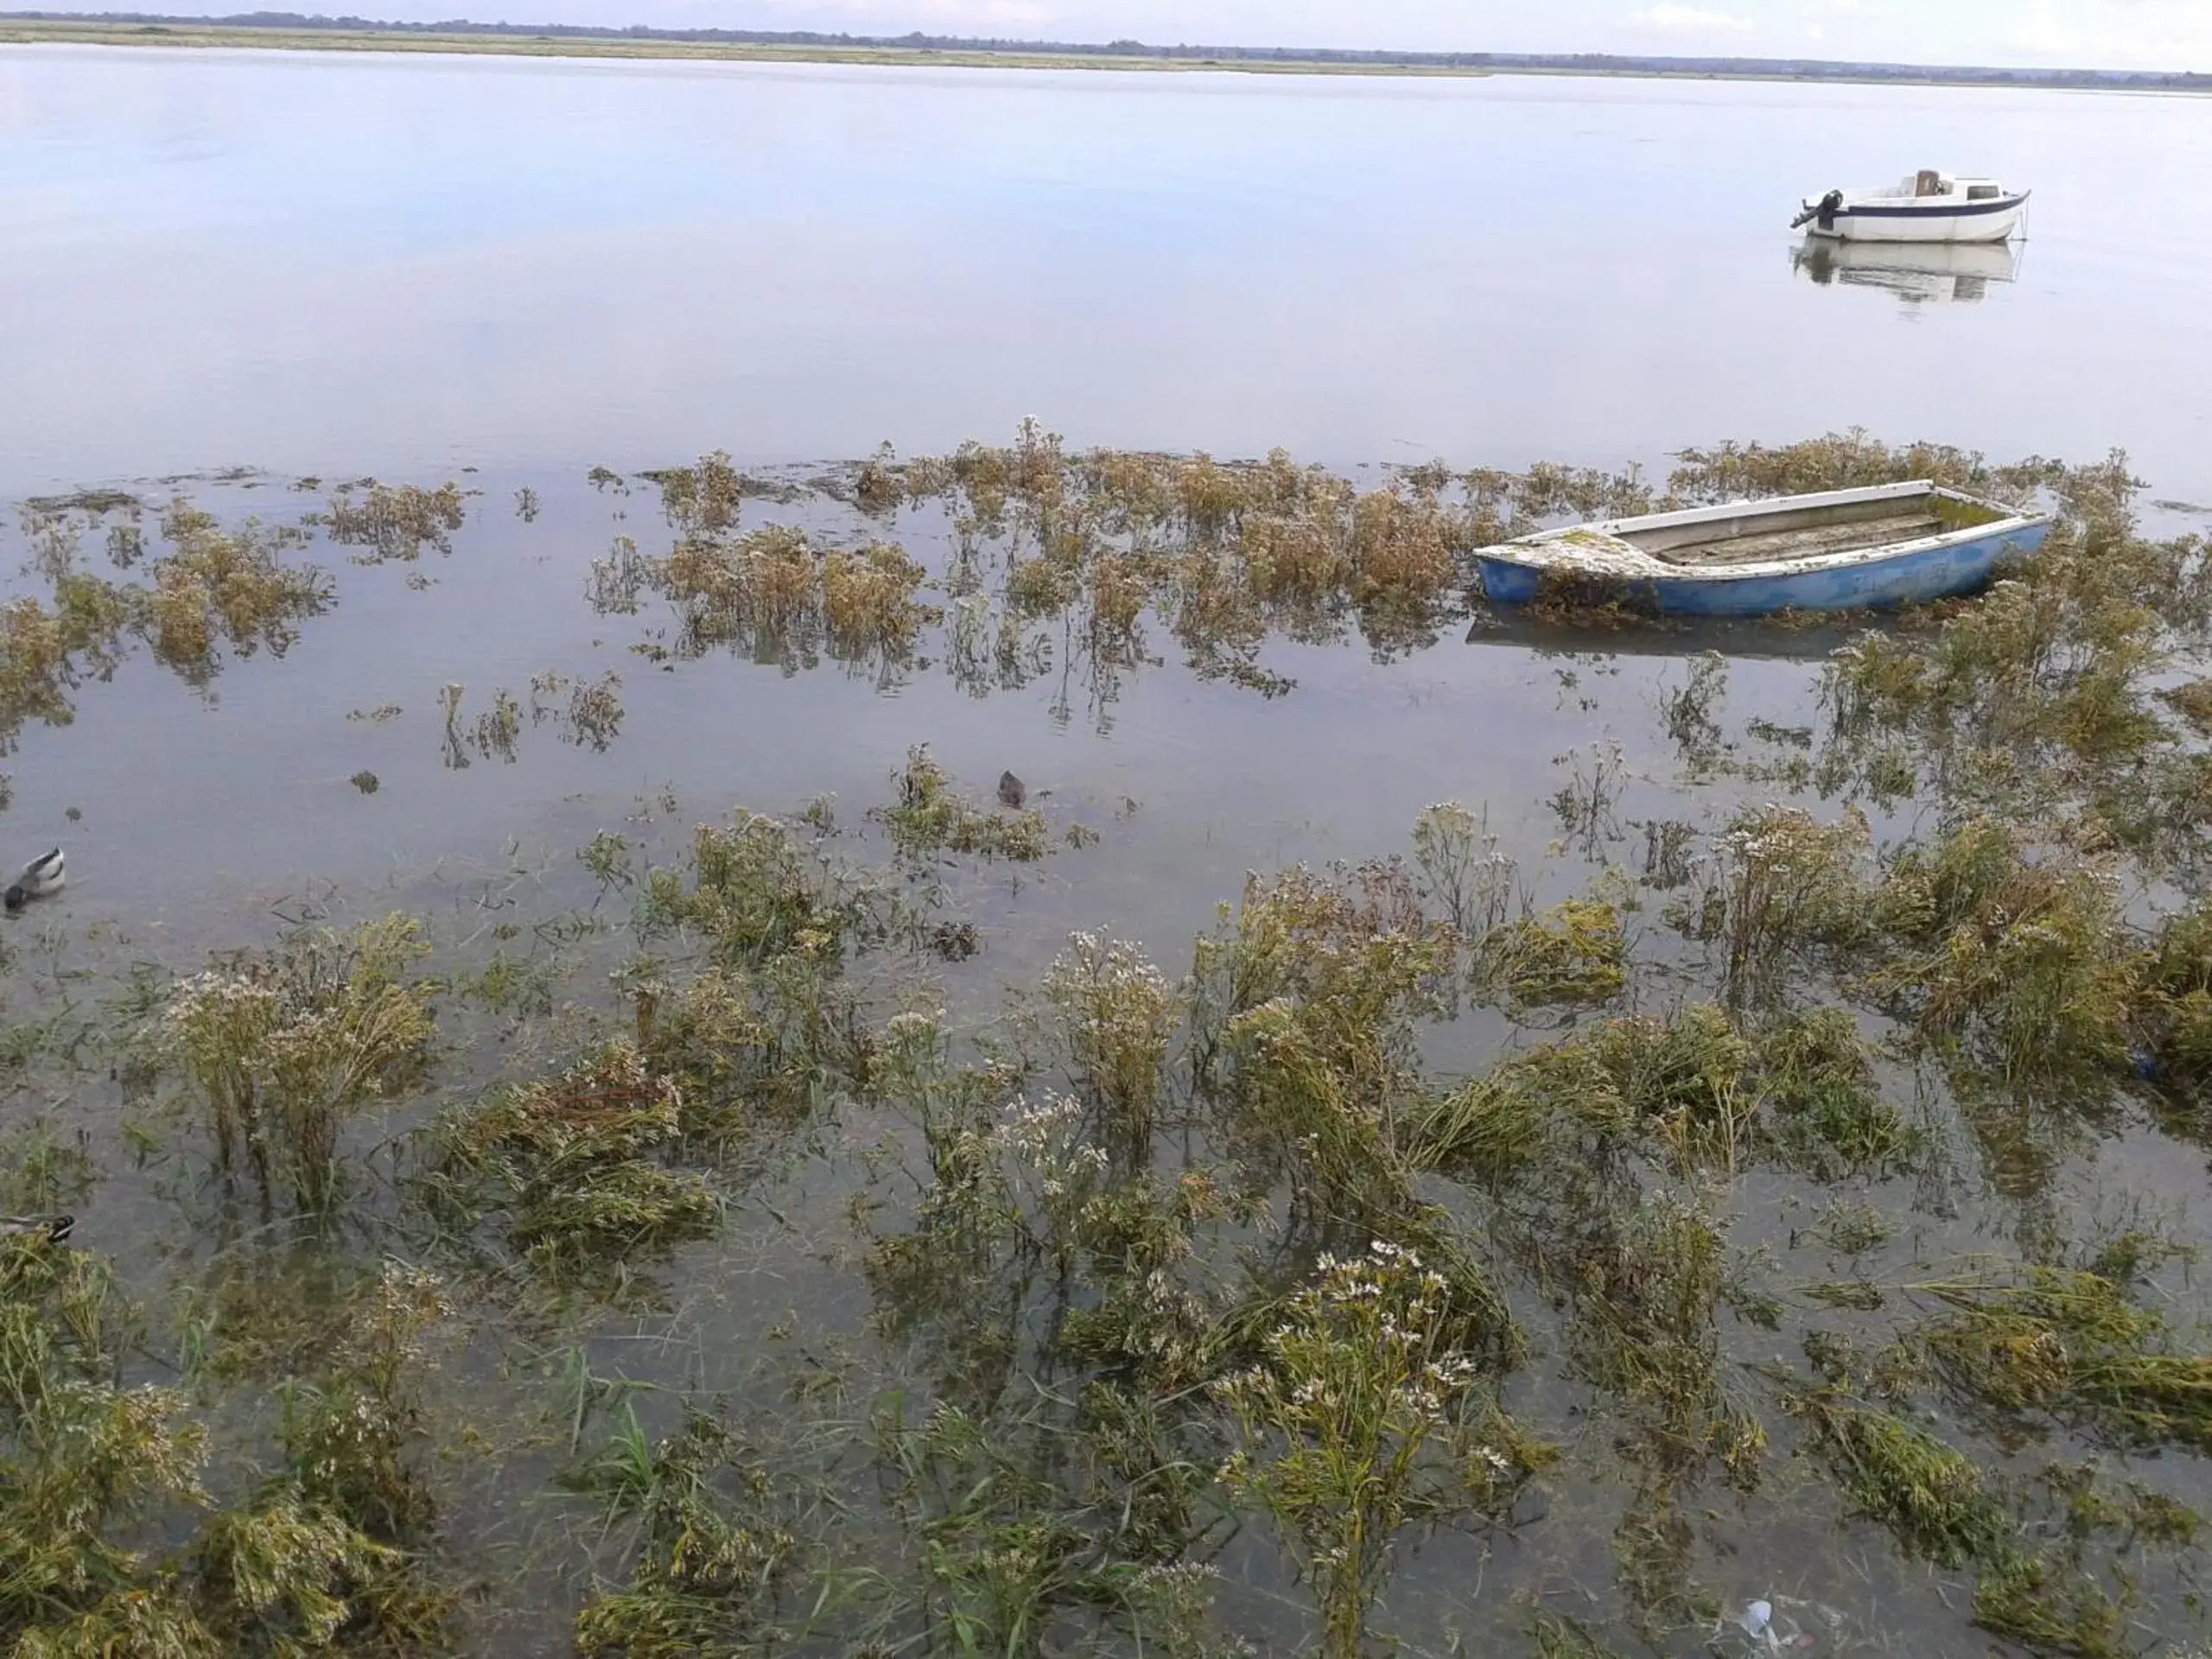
1728,1237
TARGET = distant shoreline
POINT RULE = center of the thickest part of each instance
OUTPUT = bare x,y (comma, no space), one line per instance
291,32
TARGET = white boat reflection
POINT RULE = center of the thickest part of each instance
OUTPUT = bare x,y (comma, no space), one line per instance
1917,273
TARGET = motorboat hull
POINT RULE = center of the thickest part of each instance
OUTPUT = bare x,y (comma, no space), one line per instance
1912,221
1929,206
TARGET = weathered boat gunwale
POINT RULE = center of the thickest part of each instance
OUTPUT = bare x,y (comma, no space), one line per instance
1606,555
1614,538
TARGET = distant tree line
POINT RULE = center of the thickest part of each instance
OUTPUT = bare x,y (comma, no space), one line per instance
1593,63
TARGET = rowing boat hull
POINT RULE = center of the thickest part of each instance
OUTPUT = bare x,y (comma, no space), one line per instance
1591,565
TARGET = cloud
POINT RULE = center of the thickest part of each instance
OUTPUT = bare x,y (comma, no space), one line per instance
2123,34
1693,20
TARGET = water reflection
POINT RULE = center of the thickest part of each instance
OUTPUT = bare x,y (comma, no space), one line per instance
401,267
1752,639
1918,273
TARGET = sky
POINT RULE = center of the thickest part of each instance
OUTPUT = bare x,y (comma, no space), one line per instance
2088,34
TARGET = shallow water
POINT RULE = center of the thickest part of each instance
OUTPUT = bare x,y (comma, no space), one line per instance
212,816
411,267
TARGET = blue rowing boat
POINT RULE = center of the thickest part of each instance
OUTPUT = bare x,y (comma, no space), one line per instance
1840,550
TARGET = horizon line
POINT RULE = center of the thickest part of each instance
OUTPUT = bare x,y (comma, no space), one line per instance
923,41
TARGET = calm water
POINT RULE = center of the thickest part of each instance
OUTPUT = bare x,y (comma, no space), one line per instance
326,264
329,266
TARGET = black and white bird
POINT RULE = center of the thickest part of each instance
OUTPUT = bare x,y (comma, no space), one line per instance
50,1229
41,876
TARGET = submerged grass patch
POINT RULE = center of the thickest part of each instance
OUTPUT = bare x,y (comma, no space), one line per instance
578,1165
929,817
1574,953
2070,1344
115,1544
1932,1497
717,1541
1699,1090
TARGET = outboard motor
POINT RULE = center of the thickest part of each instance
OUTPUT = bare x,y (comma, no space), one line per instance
1824,210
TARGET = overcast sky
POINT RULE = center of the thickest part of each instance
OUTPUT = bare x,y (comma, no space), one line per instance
2100,34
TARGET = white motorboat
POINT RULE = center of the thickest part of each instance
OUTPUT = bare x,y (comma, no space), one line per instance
1927,207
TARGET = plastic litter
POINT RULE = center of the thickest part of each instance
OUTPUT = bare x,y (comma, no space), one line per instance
1757,1622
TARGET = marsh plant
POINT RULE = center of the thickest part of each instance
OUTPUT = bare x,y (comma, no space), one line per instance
1699,1090
1355,1387
587,712
230,587
1305,1012
929,817
719,1537
1588,805
1785,884
704,499
398,521
115,1544
867,601
1052,1299
1119,1014
1576,953
1463,871
215,590
282,1047
578,1165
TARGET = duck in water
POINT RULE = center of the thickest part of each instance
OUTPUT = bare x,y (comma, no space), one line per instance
50,1229
41,876
1012,790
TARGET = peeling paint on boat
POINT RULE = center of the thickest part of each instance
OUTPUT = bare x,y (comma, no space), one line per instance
1882,574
